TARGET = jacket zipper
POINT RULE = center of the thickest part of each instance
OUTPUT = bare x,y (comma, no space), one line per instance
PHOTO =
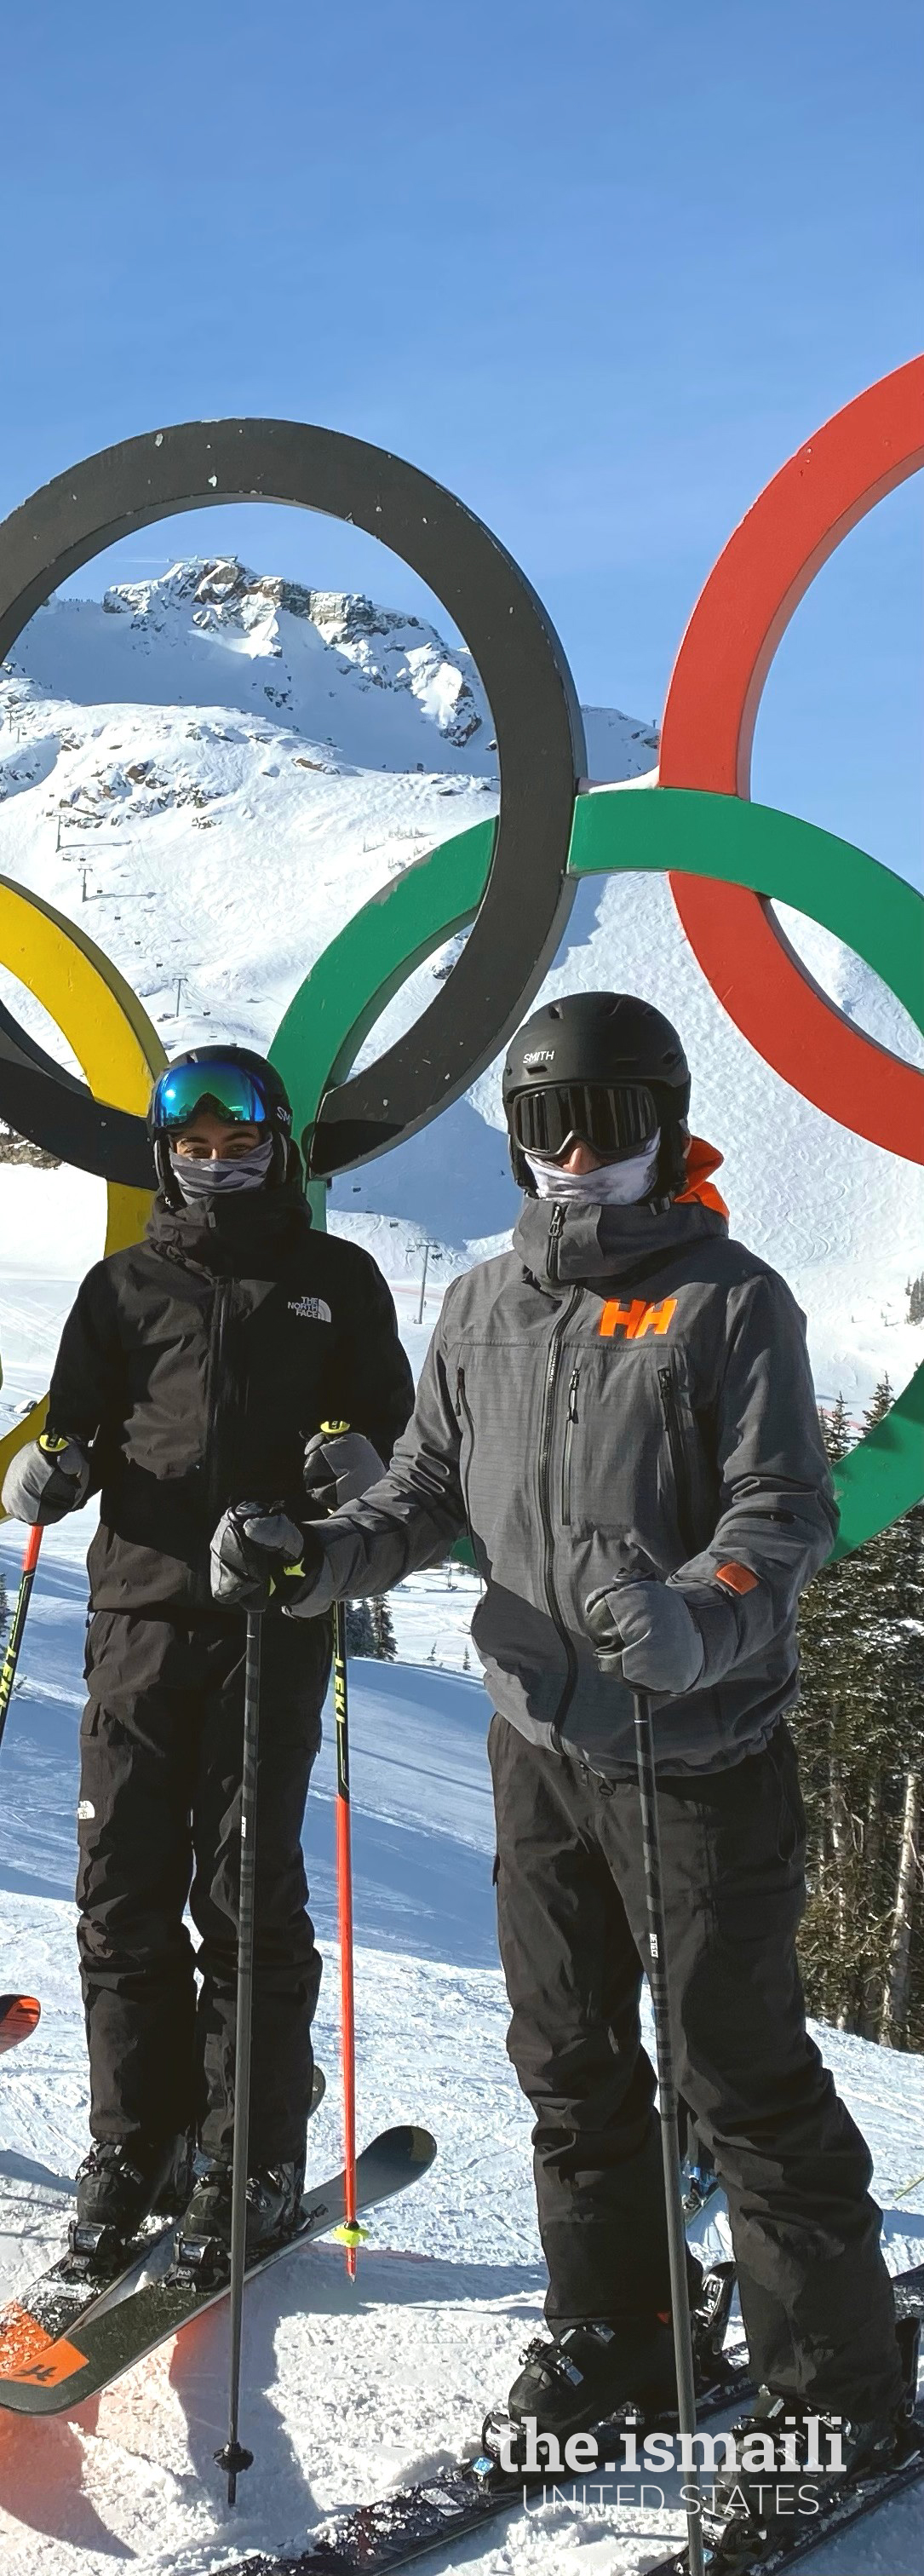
677,1457
566,1452
464,1410
553,1604
216,1399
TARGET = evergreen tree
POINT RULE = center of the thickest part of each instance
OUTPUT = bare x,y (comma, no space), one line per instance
859,1732
916,1299
359,1635
384,1641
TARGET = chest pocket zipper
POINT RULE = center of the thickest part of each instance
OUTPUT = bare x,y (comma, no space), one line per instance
464,1415
670,1409
570,1420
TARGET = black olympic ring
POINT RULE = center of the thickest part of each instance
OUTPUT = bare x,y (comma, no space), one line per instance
537,721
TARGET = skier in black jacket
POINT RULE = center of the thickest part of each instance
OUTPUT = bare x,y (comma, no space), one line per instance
195,1367
622,1410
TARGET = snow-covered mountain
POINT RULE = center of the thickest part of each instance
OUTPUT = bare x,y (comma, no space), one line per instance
214,770
376,685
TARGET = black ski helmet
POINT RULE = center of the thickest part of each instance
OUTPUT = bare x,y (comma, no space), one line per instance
603,1042
276,1124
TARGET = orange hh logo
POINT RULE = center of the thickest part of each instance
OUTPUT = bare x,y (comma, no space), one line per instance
636,1319
27,2352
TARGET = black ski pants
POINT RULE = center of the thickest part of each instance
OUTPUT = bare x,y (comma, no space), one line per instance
159,1825
572,1922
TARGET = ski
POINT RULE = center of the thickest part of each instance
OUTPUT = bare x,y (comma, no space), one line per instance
36,2330
18,2017
452,2504
835,2515
437,2513
49,2372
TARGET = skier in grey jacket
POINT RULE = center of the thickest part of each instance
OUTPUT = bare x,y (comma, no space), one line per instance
620,1410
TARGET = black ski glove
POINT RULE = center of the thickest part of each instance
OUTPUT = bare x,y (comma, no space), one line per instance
646,1632
46,1479
257,1551
339,1467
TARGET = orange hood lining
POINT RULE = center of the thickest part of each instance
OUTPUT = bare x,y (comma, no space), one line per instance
701,1159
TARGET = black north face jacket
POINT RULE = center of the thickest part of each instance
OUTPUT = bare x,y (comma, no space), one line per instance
197,1364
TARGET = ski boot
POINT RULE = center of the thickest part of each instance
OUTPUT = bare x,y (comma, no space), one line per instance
203,2243
274,2197
709,2315
117,2189
784,2447
573,2381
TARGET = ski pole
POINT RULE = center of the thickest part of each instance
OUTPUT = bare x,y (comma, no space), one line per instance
667,2100
232,2456
17,1623
350,2234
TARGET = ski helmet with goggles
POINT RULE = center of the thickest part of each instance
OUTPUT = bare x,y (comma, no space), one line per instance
604,1068
233,1084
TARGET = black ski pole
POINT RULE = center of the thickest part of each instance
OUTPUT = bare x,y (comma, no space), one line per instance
351,2234
17,1623
233,2456
670,2135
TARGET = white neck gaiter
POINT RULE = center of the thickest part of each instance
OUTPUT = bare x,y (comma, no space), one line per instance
611,1185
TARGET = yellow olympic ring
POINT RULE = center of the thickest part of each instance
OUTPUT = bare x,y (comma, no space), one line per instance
111,1036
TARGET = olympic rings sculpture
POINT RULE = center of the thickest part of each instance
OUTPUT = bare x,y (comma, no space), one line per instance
727,859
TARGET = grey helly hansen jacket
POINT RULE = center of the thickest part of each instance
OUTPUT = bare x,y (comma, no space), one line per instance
625,1393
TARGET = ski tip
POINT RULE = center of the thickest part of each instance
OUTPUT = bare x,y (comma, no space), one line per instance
416,2146
403,2145
18,2017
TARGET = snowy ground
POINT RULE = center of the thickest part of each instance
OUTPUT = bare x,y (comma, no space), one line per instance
346,2389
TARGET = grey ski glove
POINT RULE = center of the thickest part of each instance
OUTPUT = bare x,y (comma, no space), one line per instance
340,1466
46,1479
646,1632
256,1551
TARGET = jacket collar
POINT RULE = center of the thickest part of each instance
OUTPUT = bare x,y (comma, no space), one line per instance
574,1246
249,1235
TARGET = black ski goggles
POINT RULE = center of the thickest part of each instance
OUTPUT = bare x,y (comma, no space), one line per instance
548,1121
228,1090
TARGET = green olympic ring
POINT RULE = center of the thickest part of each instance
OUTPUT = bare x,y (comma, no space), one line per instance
688,832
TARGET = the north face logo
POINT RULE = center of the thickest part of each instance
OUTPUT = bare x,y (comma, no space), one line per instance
314,1310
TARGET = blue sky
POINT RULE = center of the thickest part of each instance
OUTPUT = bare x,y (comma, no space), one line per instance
599,268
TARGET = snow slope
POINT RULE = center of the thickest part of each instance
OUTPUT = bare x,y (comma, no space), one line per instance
346,2390
214,770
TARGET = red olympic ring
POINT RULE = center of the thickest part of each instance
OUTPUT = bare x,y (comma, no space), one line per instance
875,443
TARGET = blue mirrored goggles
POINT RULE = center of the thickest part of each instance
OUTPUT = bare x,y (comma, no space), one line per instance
229,1091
